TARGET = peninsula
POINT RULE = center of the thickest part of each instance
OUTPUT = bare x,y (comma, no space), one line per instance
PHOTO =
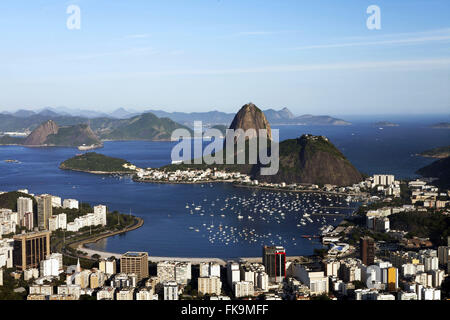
438,153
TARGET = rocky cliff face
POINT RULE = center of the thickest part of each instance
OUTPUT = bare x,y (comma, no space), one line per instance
73,136
251,117
41,133
50,134
314,160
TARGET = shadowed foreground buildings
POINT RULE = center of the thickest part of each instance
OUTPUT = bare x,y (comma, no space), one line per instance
367,247
30,249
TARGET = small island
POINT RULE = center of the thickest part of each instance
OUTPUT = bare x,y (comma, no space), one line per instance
96,163
441,125
386,124
438,153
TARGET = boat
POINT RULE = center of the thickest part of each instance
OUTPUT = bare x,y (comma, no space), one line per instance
12,161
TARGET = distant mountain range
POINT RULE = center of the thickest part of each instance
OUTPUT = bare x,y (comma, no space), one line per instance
27,119
49,134
281,117
77,131
123,124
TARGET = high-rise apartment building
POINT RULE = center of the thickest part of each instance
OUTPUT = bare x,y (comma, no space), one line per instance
108,266
135,262
24,206
274,260
367,250
45,210
209,285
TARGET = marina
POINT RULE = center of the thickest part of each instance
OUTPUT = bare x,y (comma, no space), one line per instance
239,219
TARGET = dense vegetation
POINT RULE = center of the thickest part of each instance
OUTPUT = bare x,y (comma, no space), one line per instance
8,140
313,159
92,161
10,284
435,226
9,200
439,169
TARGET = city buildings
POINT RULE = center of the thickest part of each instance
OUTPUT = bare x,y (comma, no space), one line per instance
209,269
316,280
209,285
45,210
180,272
170,290
30,249
274,260
52,266
243,289
383,179
108,266
233,273
70,204
367,250
6,253
106,293
25,208
135,263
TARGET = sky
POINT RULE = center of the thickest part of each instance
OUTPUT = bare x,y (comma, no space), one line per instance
315,57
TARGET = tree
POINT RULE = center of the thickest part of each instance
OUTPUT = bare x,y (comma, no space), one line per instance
96,256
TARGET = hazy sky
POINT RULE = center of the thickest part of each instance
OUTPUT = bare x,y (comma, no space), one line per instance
314,57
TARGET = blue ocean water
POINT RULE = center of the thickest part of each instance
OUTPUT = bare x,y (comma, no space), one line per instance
170,228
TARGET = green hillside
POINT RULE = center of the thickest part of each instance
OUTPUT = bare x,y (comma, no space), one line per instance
8,200
144,127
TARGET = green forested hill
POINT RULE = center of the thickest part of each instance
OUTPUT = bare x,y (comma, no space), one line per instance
95,162
144,127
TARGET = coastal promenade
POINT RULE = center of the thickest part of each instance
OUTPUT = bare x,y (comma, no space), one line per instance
194,261
103,254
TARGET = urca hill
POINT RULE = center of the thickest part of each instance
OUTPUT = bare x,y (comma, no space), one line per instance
307,159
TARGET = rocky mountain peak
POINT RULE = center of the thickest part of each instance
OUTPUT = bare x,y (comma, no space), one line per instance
251,117
41,133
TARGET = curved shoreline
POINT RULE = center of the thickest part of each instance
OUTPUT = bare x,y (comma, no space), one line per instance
81,243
